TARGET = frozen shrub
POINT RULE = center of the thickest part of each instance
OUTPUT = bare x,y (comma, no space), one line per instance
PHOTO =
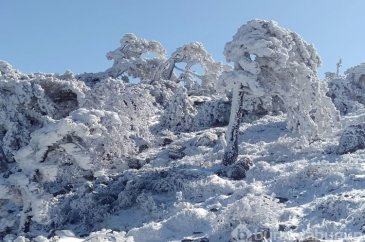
179,114
133,105
56,132
194,113
63,95
212,111
254,212
29,102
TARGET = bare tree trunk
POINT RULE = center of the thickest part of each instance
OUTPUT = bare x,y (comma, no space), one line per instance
231,151
3,160
167,73
25,217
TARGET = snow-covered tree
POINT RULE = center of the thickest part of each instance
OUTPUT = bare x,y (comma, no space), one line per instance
179,112
136,57
356,75
270,60
193,54
347,92
139,58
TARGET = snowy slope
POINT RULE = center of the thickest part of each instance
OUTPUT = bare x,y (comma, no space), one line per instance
294,192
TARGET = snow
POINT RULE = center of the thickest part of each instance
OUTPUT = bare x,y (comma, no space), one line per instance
312,182
319,188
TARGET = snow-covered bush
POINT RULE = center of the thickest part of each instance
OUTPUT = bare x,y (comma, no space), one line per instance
270,60
211,111
252,214
88,204
193,113
28,102
55,131
22,107
179,114
133,105
356,75
87,140
62,92
256,107
162,91
8,72
109,235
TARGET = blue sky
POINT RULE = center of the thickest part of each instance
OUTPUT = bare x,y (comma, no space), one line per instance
53,36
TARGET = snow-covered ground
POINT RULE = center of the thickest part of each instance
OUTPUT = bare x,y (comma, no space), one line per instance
294,192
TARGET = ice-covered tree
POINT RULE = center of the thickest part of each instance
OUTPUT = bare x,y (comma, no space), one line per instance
136,57
356,75
179,110
191,55
347,92
270,60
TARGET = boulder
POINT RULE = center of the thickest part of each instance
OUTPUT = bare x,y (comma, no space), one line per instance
238,170
176,152
207,139
135,163
352,139
260,236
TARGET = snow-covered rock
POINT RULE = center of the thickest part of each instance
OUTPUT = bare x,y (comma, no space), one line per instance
352,139
176,152
207,139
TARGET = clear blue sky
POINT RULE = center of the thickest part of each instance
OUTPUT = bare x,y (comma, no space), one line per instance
52,36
